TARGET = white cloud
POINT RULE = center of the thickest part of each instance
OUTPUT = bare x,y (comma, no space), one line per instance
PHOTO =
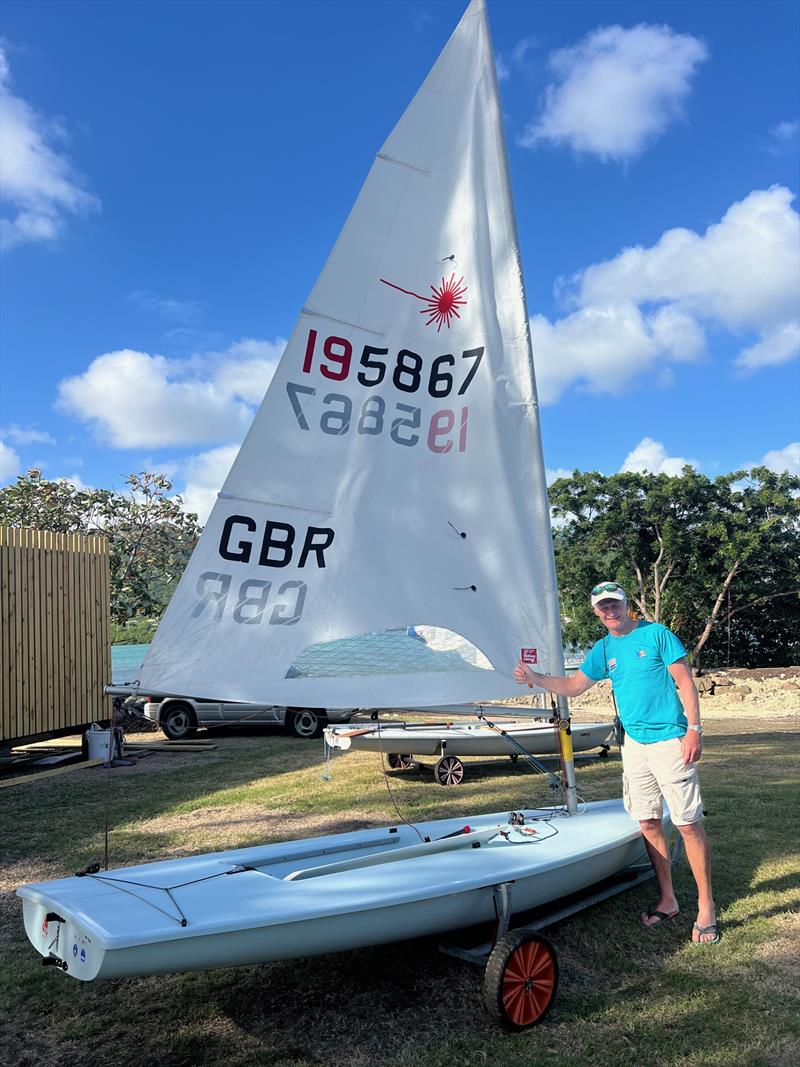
516,58
22,436
786,131
182,311
522,47
10,465
635,314
74,479
780,346
743,271
783,137
617,90
651,456
678,334
606,348
41,188
133,399
552,474
783,459
247,367
204,475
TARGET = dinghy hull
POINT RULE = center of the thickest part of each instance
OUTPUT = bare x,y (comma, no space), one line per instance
328,894
467,739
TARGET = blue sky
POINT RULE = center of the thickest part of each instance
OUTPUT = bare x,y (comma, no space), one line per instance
175,174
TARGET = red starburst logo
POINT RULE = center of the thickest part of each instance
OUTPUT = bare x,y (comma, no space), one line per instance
443,305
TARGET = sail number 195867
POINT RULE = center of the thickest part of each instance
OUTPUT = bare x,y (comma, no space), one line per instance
408,374
335,413
441,430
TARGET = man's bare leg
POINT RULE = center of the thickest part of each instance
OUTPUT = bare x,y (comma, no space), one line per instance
658,852
698,853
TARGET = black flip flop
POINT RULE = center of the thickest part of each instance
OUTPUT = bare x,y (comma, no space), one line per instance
661,916
710,929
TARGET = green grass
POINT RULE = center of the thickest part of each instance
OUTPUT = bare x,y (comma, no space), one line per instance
627,996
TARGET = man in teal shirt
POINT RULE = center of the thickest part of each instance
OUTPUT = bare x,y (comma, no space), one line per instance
658,706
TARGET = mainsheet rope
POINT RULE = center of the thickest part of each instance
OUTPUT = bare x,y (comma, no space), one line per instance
399,814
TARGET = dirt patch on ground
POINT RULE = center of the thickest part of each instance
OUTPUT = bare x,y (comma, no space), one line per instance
782,955
12,876
217,828
138,759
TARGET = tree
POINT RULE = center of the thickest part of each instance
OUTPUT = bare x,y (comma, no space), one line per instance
693,553
150,537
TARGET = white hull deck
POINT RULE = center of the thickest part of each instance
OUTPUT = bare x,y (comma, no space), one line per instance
325,894
466,739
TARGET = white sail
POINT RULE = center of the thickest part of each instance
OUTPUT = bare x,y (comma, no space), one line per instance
393,474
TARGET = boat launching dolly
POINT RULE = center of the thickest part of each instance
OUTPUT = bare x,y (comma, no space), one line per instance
449,769
520,966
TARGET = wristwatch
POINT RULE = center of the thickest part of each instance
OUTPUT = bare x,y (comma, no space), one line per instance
698,729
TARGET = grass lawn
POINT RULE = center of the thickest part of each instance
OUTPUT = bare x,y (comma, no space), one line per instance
627,996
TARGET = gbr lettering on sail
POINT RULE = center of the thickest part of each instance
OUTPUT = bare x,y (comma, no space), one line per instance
408,398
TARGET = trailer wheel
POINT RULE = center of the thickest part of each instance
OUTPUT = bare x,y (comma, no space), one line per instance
449,770
400,761
521,980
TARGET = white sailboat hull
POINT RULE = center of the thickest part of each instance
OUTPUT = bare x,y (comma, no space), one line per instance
326,894
470,739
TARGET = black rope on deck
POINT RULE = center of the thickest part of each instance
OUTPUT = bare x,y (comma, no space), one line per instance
118,883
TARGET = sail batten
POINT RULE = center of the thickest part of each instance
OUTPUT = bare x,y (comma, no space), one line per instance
401,163
315,313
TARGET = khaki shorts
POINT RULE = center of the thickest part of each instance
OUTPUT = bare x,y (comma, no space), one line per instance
657,770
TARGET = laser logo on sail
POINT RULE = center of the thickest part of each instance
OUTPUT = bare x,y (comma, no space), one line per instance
443,305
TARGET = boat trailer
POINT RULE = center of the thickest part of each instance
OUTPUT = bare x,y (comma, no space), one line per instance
449,770
520,966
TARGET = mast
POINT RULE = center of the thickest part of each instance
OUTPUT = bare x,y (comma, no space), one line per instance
557,652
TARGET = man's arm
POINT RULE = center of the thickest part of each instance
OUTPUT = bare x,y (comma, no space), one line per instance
682,676
565,687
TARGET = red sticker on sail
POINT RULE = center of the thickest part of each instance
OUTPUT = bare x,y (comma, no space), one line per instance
529,655
443,305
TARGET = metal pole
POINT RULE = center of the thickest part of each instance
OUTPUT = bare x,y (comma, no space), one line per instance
565,742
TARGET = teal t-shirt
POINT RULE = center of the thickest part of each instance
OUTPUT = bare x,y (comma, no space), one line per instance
637,663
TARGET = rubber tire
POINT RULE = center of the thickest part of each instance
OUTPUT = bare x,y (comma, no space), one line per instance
449,770
521,980
305,723
399,761
179,722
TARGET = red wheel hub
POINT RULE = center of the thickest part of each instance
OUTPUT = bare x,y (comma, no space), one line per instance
528,983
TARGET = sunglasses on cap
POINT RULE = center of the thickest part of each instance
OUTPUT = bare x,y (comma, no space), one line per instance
607,587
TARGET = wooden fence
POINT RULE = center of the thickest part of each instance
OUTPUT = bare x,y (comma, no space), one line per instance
55,652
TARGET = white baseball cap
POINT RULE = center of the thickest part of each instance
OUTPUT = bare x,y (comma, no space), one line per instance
607,591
